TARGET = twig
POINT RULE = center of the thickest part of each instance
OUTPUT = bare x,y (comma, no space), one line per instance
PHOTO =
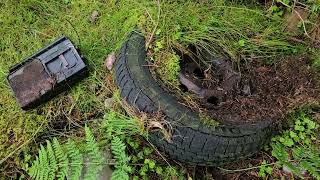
159,153
245,169
303,23
156,26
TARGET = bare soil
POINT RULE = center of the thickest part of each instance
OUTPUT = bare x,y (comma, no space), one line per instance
262,93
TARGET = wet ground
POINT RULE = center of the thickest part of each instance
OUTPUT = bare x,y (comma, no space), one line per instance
253,92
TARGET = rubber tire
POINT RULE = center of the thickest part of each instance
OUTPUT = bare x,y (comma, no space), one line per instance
192,142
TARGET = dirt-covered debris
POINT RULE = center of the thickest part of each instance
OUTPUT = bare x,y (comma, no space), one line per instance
263,93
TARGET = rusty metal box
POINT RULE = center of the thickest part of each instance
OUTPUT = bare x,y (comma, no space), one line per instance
48,72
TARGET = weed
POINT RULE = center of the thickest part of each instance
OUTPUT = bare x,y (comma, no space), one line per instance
207,120
264,169
58,161
298,149
140,163
169,67
229,30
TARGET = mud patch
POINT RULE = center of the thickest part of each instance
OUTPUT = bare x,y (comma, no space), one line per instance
30,82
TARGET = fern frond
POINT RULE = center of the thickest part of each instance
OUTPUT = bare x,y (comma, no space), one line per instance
119,174
96,158
76,160
118,147
118,124
52,166
34,169
122,159
58,161
44,162
62,159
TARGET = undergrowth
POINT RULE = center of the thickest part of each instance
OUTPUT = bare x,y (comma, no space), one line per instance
122,132
298,149
228,30
238,31
61,161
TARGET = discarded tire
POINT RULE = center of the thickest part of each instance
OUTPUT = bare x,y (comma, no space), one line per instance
192,142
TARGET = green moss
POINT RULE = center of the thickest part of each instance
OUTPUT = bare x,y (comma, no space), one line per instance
169,68
233,30
208,121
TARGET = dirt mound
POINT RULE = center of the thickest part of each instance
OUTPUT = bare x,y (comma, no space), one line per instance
262,93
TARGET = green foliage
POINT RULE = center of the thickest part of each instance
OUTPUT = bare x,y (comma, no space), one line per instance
116,124
61,161
298,149
122,131
168,68
264,169
76,160
122,168
229,30
96,158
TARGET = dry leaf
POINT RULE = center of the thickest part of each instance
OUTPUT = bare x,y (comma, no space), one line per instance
167,135
94,16
110,60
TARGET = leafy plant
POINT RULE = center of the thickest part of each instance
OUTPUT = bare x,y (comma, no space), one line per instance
60,161
122,168
264,169
139,164
298,148
95,156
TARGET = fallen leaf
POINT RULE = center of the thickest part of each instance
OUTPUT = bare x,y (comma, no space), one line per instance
108,103
110,60
94,16
167,135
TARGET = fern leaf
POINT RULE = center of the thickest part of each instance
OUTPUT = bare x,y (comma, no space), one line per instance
118,147
118,150
76,160
33,171
119,174
62,159
95,156
44,163
53,167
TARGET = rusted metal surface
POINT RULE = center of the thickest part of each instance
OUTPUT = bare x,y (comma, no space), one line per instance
229,82
30,82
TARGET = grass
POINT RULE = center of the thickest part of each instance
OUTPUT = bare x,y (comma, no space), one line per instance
25,26
29,25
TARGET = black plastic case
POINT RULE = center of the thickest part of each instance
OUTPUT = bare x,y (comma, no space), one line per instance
46,73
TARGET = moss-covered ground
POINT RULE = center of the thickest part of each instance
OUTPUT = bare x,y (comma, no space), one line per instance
243,30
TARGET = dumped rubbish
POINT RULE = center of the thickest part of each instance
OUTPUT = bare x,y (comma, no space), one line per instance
46,73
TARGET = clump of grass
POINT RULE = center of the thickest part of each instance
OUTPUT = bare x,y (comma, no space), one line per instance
220,28
27,26
169,67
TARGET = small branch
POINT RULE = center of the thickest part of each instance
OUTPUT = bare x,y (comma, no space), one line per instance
303,23
246,169
156,26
